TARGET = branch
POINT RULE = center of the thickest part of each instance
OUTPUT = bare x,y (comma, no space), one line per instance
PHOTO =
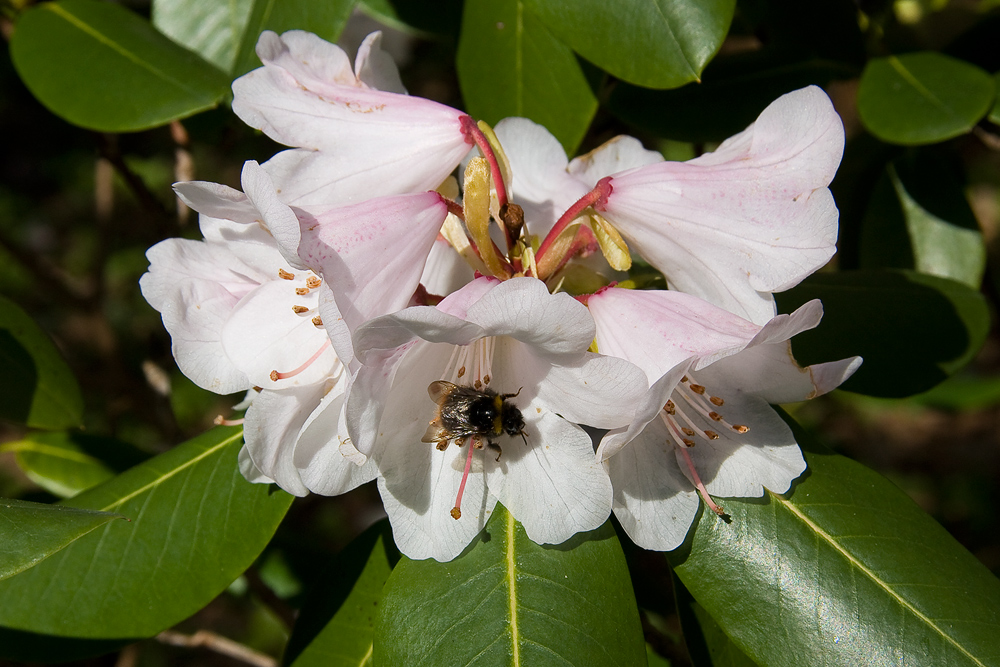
219,644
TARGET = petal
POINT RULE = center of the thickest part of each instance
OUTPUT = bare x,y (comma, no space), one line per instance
655,503
613,156
301,98
554,487
657,329
271,430
742,465
752,218
375,68
445,271
249,470
372,254
217,201
554,325
278,218
264,333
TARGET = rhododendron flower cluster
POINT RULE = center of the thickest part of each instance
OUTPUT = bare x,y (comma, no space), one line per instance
412,296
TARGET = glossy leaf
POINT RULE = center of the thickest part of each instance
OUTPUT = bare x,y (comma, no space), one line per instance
426,17
652,43
40,391
912,329
919,218
112,71
846,570
195,525
326,19
509,64
509,601
707,644
922,98
211,28
995,111
337,624
31,532
57,462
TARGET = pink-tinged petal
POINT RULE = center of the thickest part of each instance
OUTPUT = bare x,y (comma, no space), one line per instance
278,218
647,409
375,68
264,333
372,254
655,503
742,465
445,271
766,368
195,285
616,155
300,99
754,217
457,303
554,486
541,184
553,324
657,329
390,332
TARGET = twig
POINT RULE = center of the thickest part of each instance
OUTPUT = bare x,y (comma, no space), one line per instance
267,596
107,146
219,644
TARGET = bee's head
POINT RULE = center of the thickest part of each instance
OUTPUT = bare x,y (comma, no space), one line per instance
511,419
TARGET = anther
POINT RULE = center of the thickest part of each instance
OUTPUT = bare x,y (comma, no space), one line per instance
298,310
312,282
716,401
302,291
486,378
285,274
688,443
698,389
461,371
715,416
222,421
687,431
740,428
712,435
670,408
478,384
318,321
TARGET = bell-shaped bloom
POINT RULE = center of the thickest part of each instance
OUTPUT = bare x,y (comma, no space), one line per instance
545,183
752,218
357,133
527,347
705,425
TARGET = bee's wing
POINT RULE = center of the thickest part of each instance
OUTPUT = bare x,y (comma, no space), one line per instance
435,432
439,390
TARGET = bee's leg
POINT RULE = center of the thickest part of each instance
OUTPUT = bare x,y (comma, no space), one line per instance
495,446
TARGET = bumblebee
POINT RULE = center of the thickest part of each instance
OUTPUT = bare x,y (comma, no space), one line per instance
464,412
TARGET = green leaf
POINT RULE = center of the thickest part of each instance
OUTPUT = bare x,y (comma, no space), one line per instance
99,66
326,19
425,18
31,532
922,98
195,525
211,28
995,111
40,391
912,329
919,218
846,570
706,643
652,43
337,624
509,64
509,601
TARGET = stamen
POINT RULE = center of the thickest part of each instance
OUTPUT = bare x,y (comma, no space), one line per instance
298,310
302,291
275,375
688,431
285,274
740,428
670,408
318,321
716,401
461,371
486,379
698,389
312,282
712,435
456,511
701,487
222,421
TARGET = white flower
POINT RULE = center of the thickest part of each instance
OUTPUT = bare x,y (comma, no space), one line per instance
705,425
513,338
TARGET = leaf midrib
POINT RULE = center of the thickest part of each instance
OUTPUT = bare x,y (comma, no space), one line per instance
864,569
